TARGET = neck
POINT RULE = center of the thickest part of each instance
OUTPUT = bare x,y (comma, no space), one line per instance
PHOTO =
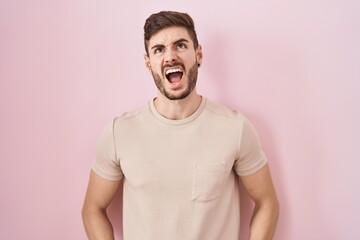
177,109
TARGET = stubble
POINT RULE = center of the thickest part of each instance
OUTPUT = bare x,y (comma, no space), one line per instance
175,94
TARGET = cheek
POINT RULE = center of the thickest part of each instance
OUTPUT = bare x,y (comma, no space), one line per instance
156,66
190,61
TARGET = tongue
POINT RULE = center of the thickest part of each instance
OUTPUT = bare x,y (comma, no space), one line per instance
175,77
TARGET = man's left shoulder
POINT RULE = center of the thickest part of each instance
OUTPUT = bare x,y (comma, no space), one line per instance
224,111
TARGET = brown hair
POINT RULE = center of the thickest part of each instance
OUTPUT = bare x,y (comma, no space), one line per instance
164,19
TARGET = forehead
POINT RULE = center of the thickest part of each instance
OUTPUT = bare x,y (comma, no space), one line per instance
169,35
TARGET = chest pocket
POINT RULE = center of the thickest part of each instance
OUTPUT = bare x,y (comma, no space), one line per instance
207,181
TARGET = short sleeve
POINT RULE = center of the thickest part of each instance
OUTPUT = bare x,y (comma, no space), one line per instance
106,164
251,157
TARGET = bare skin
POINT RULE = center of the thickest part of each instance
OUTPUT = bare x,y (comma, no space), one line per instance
98,197
172,47
260,188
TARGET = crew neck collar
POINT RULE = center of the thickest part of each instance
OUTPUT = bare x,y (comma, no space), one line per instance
178,122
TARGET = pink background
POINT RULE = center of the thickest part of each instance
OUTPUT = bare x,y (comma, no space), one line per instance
68,67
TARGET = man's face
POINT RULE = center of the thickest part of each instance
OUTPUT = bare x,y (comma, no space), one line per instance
173,62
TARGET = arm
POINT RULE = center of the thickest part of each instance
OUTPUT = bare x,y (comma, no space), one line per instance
266,212
99,194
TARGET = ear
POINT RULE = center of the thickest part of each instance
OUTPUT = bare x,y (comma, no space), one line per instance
199,54
147,62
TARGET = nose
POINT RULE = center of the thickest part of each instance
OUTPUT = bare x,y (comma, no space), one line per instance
170,56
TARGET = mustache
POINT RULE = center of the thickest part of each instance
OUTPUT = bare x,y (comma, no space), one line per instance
173,65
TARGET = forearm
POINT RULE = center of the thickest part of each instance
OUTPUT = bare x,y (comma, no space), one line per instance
264,221
97,225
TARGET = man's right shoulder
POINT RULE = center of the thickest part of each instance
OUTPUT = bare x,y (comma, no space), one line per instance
132,114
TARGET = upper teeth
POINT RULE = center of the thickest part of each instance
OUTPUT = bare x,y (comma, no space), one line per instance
172,70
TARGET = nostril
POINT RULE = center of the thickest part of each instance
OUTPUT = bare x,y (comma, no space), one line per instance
171,60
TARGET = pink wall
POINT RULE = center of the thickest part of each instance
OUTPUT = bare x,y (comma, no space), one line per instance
68,67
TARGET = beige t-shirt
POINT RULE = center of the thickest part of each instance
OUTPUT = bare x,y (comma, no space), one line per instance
180,176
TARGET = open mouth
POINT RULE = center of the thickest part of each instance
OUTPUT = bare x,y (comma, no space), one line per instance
174,75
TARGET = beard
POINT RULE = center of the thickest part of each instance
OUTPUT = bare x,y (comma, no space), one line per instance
178,95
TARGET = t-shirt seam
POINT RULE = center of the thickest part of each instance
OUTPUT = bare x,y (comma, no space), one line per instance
104,174
123,117
133,113
165,123
223,114
254,169
114,139
240,139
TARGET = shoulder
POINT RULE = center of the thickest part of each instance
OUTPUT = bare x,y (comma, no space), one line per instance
132,115
223,111
225,115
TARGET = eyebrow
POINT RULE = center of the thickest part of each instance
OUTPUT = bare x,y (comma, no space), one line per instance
174,43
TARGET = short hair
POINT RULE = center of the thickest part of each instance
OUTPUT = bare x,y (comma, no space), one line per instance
158,21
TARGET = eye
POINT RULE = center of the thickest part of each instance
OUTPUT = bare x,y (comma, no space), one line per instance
158,50
181,46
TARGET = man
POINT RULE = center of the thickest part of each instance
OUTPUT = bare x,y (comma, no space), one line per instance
181,156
